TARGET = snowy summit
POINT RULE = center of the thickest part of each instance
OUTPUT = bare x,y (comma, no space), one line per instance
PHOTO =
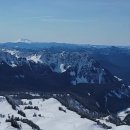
23,40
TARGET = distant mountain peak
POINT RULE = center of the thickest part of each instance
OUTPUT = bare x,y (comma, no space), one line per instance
23,40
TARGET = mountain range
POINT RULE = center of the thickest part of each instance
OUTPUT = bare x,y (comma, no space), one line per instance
91,75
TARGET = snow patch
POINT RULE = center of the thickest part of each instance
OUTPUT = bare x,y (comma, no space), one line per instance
124,113
12,52
62,68
35,58
118,78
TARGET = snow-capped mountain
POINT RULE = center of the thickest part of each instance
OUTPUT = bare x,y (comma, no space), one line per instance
23,40
96,94
76,71
78,66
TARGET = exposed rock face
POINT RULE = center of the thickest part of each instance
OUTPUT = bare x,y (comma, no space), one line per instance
75,67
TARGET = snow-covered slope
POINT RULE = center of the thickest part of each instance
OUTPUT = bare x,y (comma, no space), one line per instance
49,110
48,116
51,117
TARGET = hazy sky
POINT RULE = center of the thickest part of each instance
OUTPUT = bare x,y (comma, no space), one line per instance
74,21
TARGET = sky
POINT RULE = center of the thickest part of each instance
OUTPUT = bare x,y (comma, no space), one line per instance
70,21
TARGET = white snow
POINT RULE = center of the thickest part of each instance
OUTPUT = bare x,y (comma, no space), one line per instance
35,58
62,68
89,94
13,65
123,113
23,40
118,78
101,73
6,109
49,109
123,127
13,52
51,116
